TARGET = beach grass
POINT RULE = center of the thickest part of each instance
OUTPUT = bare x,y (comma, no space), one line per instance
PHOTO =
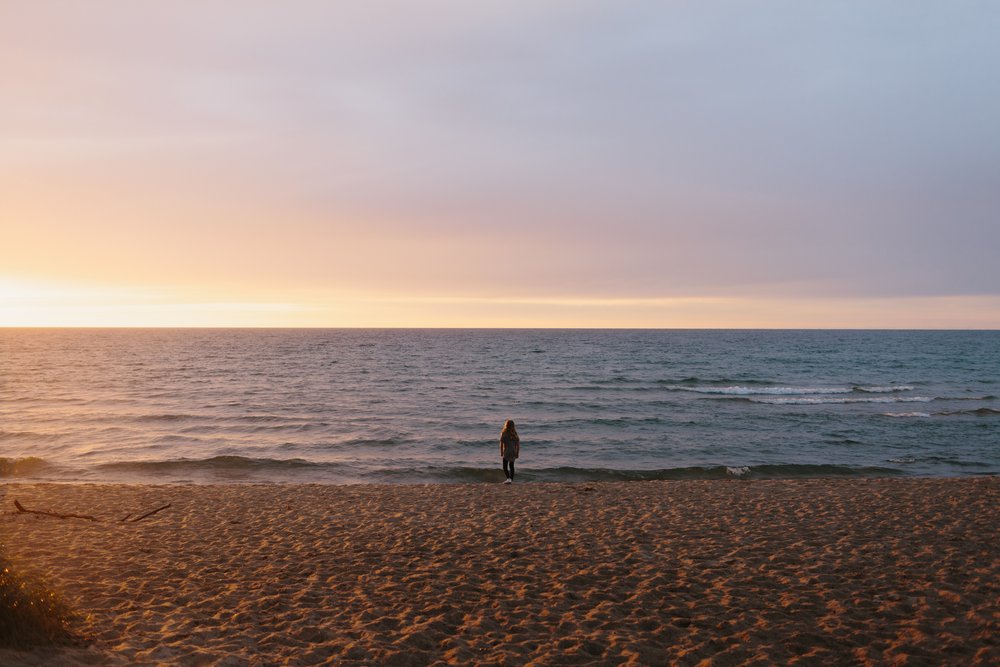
31,614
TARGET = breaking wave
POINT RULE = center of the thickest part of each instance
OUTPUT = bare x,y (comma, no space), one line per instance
949,460
28,466
978,412
745,390
220,469
215,463
574,474
802,400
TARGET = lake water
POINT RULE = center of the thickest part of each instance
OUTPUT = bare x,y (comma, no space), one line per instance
339,406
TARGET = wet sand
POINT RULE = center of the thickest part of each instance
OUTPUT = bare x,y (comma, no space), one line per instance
901,571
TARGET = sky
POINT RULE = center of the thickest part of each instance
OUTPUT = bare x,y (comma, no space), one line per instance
501,164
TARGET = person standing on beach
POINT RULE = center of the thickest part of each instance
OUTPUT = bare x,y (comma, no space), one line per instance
510,448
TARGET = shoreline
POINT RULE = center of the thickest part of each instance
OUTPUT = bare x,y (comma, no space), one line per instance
234,469
493,476
865,570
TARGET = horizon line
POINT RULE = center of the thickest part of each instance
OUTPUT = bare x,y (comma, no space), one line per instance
481,328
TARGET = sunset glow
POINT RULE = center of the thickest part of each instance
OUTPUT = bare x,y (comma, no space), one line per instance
498,165
28,304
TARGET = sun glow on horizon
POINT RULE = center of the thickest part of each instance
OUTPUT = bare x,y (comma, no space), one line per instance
46,303
35,303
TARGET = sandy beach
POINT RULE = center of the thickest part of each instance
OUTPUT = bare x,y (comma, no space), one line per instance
901,571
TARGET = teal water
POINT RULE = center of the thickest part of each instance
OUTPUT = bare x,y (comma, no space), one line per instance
337,406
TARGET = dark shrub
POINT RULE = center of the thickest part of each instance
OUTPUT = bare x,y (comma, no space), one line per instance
30,614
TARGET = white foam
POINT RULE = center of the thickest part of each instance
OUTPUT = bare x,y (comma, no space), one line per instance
833,399
737,390
740,471
886,390
906,414
762,391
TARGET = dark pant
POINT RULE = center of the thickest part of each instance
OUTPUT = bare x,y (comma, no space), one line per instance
508,469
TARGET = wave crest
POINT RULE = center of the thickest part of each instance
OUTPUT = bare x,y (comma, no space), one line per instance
801,400
214,463
739,390
746,389
978,412
242,468
574,474
22,467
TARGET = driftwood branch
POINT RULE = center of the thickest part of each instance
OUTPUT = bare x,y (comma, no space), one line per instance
21,509
148,513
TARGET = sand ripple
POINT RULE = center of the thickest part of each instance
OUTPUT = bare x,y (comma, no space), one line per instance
650,573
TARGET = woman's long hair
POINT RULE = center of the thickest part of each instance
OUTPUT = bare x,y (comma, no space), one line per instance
509,432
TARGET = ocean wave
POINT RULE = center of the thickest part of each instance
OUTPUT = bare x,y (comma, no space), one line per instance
978,412
242,468
216,463
842,400
737,390
947,460
747,390
22,435
987,397
169,417
22,467
574,474
263,418
885,390
622,421
716,382
793,470
301,427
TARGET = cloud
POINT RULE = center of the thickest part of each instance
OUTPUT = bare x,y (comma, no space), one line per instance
586,150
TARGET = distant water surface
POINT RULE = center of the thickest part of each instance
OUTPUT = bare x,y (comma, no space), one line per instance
338,406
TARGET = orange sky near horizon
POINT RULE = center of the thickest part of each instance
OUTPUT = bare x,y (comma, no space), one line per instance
36,304
678,165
